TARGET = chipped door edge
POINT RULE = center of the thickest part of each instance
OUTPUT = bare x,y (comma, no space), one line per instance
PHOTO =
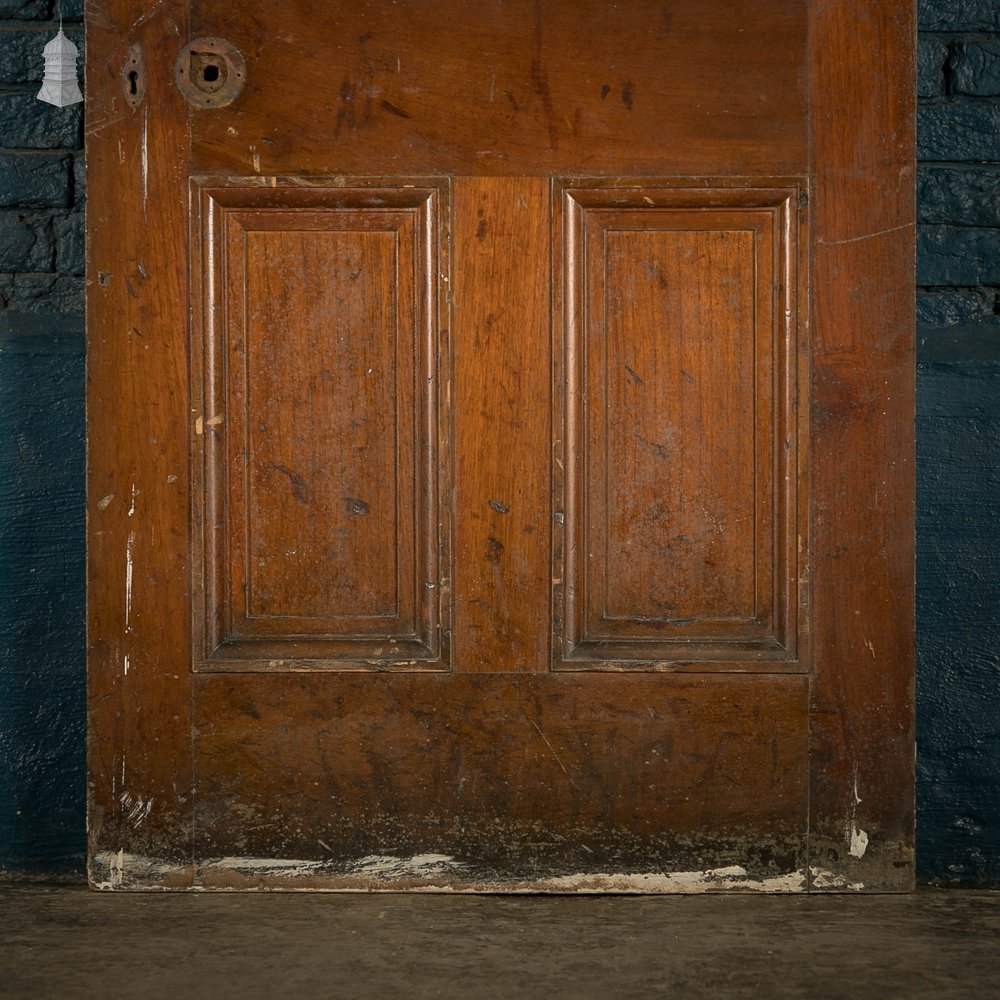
432,873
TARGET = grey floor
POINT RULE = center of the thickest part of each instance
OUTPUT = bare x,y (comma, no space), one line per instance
72,943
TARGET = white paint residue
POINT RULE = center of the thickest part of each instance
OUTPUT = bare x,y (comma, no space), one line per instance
823,879
857,838
128,579
125,664
145,160
109,872
280,867
859,843
117,870
131,509
732,878
112,869
418,866
103,503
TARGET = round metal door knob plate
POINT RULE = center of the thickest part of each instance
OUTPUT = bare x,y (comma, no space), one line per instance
210,73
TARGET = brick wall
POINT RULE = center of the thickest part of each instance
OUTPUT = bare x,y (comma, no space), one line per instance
41,168
42,672
958,443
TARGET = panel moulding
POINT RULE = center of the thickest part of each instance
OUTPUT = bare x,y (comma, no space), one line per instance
679,438
318,542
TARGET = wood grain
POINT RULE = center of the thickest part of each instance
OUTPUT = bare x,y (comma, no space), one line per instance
680,344
515,88
516,776
317,361
520,180
139,421
500,331
862,736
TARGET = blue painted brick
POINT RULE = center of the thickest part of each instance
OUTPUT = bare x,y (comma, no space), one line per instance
948,255
932,54
961,196
27,123
958,132
21,55
25,242
35,181
953,307
975,68
69,244
79,180
958,15
42,293
26,10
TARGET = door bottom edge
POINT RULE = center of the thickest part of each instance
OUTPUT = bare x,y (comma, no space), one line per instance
433,873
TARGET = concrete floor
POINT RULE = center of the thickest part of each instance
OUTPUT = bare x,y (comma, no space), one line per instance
70,943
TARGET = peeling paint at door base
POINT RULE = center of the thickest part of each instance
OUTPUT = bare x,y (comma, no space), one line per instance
433,873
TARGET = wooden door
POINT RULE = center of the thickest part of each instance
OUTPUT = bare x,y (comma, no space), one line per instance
500,444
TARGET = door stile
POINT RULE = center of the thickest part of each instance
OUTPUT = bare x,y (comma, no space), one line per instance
140,740
861,715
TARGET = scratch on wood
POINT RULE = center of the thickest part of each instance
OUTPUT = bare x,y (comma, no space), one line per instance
552,749
866,236
139,21
145,160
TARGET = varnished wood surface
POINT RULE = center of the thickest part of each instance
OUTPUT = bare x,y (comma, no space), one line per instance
501,753
519,88
317,365
500,328
139,421
680,355
862,735
516,775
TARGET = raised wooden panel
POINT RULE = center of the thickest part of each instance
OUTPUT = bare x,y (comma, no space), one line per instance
680,501
317,522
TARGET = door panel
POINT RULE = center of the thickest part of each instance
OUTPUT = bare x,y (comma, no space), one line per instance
682,424
498,472
318,364
483,781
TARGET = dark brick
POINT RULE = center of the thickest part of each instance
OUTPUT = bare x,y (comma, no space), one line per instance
41,293
975,68
958,15
79,180
21,55
958,132
932,54
69,244
26,10
950,256
21,59
960,307
958,196
25,242
27,123
34,181
72,10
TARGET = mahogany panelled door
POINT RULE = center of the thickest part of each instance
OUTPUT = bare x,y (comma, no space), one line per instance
501,461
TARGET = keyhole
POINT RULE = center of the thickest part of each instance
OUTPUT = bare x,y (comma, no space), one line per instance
211,73
133,83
